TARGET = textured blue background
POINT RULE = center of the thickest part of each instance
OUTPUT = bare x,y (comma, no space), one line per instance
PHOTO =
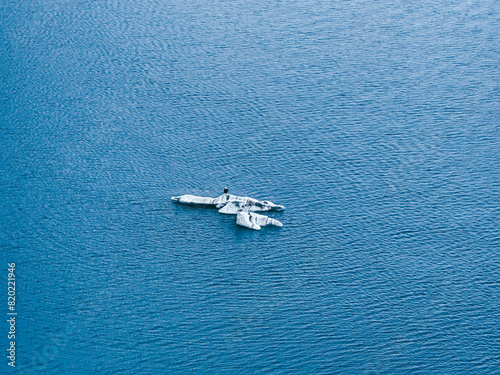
375,123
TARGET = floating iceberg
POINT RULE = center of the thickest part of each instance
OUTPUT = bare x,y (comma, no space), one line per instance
255,221
243,207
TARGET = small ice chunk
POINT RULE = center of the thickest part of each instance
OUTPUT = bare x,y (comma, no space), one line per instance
255,221
193,199
232,208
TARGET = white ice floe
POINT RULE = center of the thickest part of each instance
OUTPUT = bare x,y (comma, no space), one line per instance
255,221
193,199
243,207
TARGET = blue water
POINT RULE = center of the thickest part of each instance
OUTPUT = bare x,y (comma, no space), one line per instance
375,123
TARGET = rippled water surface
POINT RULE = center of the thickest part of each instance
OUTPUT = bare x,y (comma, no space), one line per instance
375,123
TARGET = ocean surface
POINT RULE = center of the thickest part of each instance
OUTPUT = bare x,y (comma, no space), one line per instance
377,125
